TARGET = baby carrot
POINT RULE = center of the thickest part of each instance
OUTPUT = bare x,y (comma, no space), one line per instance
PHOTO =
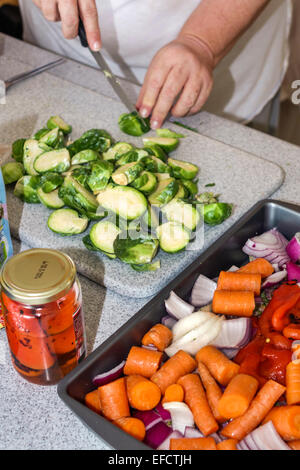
178,365
196,399
295,445
235,303
286,420
133,426
159,336
238,396
292,379
142,394
257,411
258,266
220,367
113,399
213,391
92,401
237,281
198,443
174,392
142,361
227,444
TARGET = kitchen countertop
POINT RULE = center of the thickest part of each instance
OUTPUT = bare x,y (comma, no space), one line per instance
33,417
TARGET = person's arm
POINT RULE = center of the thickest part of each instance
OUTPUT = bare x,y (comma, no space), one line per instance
181,72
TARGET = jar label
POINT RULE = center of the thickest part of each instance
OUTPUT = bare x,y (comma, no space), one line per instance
79,334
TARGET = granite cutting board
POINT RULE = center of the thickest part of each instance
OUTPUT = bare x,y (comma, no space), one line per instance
241,178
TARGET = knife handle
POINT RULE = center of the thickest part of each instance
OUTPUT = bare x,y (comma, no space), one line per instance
82,34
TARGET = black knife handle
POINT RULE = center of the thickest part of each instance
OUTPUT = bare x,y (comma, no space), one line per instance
82,34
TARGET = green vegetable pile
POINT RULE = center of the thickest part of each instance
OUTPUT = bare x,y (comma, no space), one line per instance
141,199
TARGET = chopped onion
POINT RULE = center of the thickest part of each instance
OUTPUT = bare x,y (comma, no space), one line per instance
274,279
264,438
109,376
230,352
149,418
293,272
164,414
151,347
156,435
270,245
293,248
233,269
191,433
165,445
178,308
203,291
168,321
234,333
181,415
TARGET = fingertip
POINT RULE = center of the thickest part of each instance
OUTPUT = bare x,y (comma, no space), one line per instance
155,124
96,46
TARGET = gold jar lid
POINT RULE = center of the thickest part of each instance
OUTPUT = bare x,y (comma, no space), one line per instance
38,276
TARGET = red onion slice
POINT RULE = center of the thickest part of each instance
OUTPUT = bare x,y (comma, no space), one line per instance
164,414
293,272
274,279
264,437
109,376
230,352
293,248
157,435
270,245
149,418
203,291
165,445
168,321
234,333
178,308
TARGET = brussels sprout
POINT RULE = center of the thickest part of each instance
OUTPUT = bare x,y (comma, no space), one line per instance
57,161
173,237
146,267
164,192
166,143
51,138
134,124
50,200
168,133
32,150
146,182
94,139
100,175
128,157
183,170
182,192
162,176
18,150
155,165
41,133
91,247
207,198
216,213
56,121
118,149
135,250
26,189
51,181
124,201
182,213
12,172
60,141
67,222
77,196
103,235
190,186
85,156
155,149
81,175
126,174
151,218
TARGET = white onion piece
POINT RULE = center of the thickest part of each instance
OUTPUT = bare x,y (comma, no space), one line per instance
191,322
191,433
177,307
234,333
203,291
166,444
233,269
242,446
270,245
181,415
265,438
274,279
168,321
230,352
293,248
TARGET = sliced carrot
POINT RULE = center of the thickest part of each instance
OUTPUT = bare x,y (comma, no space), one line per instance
133,426
142,394
258,266
238,396
92,401
292,331
295,445
235,303
227,444
178,365
220,367
159,336
142,361
195,398
293,383
286,420
198,443
257,411
174,392
113,399
213,391
237,281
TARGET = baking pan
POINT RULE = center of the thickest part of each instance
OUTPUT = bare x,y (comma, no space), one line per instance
225,252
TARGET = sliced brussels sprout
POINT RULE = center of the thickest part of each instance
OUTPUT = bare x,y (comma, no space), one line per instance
126,174
164,192
146,267
57,121
67,222
135,249
146,182
60,144
91,247
12,172
117,150
51,138
151,218
134,124
184,170
50,200
142,153
169,133
81,175
77,196
103,235
85,156
32,150
155,149
155,165
128,157
18,150
182,192
184,213
26,189
93,139
207,198
166,143
215,214
190,186
101,172
51,181
173,237
41,133
124,201
162,176
56,161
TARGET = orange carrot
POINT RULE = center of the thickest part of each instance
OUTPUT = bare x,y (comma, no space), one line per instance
133,426
174,392
257,411
235,281
286,420
292,331
227,444
92,401
213,391
142,361
196,399
159,336
142,394
236,303
113,399
293,383
198,443
220,367
238,396
178,365
295,445
258,266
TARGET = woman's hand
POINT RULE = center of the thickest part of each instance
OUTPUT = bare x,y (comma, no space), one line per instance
179,79
68,11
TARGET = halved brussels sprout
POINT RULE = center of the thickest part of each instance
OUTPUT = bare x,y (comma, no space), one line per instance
12,172
215,214
146,182
50,200
124,201
77,196
182,192
146,267
166,143
134,124
126,174
169,133
103,235
32,150
94,139
207,198
128,157
117,150
190,186
173,237
51,181
18,150
57,161
67,222
155,165
135,250
155,149
85,156
164,192
184,170
51,138
101,172
26,189
40,133
182,213
57,121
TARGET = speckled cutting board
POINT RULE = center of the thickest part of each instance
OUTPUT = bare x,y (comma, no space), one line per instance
241,178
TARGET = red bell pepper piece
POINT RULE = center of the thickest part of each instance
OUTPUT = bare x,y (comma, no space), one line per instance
274,362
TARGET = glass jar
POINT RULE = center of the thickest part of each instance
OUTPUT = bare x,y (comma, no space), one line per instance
42,307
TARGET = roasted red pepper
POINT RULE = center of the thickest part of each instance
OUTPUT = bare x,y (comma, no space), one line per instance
250,357
274,362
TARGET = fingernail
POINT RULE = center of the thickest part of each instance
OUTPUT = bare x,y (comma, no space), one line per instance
144,112
96,46
155,125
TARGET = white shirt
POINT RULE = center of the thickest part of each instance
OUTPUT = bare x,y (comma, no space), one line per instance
134,30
